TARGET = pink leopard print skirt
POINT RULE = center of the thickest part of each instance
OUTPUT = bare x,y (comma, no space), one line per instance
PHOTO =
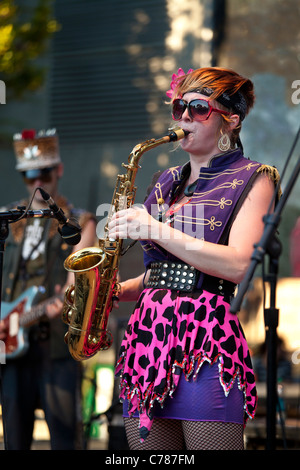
172,333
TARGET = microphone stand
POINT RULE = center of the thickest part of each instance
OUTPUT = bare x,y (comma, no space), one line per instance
269,244
7,217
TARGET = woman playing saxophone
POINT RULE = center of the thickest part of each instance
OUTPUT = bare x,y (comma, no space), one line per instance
185,371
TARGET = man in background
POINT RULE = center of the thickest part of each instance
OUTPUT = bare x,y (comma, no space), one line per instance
45,376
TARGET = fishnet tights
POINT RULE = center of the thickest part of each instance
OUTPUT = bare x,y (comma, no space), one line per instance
171,434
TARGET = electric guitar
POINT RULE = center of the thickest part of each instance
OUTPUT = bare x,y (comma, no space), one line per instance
19,315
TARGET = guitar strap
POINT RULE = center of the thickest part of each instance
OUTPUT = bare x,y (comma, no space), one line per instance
49,261
24,276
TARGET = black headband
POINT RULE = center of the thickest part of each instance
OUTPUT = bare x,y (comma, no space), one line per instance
236,101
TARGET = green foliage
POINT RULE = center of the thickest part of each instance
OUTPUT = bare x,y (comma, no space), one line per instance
24,37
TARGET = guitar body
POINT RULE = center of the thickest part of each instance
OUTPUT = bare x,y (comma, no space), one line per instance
16,316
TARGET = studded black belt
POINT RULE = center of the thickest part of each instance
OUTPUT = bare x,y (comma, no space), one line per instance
171,275
183,277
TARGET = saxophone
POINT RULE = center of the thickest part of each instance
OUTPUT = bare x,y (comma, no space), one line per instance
88,302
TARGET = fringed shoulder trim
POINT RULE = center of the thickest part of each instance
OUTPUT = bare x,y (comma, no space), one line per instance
273,174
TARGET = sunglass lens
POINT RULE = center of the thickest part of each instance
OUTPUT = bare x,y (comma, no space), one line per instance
199,109
178,109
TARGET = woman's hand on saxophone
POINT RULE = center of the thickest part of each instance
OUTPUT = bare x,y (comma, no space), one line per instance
135,223
131,289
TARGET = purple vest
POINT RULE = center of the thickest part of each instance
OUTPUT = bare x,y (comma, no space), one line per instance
216,195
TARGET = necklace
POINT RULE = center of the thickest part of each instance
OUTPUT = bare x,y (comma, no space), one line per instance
190,189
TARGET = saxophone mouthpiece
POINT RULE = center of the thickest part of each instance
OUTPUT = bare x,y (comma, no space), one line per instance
177,134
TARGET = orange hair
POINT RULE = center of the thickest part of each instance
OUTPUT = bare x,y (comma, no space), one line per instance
220,80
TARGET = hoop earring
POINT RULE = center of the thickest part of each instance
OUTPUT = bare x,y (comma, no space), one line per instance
224,143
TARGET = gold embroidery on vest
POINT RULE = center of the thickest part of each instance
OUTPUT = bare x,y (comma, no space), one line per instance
229,171
174,172
212,222
214,202
225,185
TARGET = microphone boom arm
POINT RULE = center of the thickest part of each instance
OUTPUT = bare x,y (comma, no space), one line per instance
69,230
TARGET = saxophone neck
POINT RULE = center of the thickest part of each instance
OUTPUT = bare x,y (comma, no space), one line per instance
140,149
124,193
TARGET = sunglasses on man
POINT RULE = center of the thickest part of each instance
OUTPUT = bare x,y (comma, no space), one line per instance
43,174
198,109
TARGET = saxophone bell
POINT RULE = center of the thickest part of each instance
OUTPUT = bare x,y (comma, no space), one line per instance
81,301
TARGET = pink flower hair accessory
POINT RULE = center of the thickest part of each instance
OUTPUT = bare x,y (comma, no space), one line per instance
174,81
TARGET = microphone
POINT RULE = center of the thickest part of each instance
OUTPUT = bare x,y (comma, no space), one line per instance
69,231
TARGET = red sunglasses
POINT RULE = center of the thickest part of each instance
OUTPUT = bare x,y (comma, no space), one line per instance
198,109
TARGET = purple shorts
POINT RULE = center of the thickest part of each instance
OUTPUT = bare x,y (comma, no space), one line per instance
201,400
